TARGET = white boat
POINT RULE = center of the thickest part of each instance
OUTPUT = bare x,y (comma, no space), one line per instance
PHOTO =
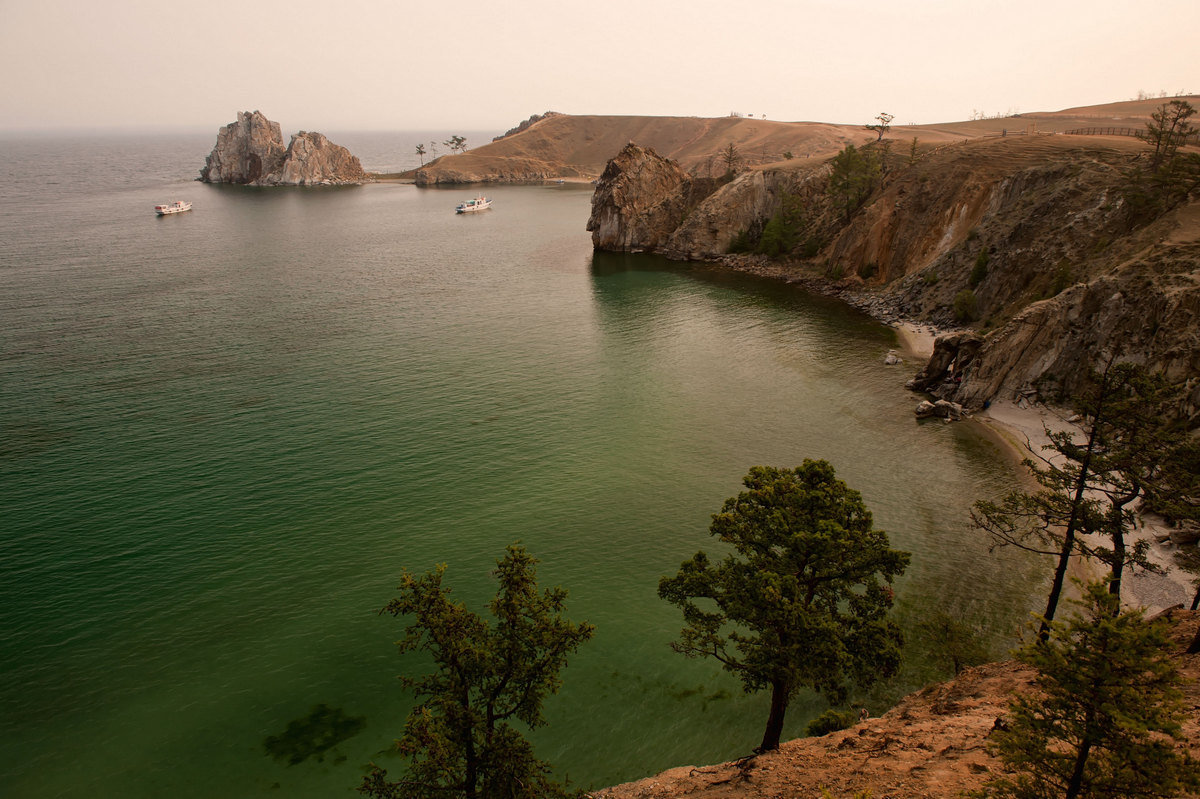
480,203
177,207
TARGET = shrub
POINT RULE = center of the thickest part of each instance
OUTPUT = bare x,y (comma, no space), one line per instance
965,306
979,271
868,270
1062,278
830,721
741,242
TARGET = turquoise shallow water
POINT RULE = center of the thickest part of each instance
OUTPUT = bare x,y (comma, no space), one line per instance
226,433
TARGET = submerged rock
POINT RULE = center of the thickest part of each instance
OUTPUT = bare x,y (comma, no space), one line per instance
250,151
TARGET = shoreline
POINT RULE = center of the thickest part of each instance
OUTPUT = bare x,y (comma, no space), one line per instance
1023,429
1019,432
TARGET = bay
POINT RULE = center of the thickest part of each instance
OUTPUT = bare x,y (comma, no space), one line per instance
226,433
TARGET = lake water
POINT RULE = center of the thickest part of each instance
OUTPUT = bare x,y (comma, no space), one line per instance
226,433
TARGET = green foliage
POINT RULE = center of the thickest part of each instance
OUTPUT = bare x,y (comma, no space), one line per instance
830,721
461,739
979,271
954,640
457,144
1128,449
930,278
1106,714
868,270
789,231
732,158
1062,279
787,155
803,599
421,153
741,242
311,736
965,306
856,173
914,151
1169,177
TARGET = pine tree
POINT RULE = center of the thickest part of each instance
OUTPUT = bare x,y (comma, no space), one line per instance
1105,717
803,601
461,739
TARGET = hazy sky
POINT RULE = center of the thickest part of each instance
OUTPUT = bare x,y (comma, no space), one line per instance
399,64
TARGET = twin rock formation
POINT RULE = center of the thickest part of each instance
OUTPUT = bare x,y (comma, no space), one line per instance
250,151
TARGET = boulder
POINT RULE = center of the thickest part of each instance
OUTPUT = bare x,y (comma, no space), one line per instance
943,409
952,357
246,150
250,151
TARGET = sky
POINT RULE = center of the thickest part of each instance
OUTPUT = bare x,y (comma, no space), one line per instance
487,65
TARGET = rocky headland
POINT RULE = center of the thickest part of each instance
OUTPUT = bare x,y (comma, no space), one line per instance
1024,245
251,152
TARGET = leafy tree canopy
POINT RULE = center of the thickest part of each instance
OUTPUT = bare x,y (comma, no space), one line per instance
490,677
802,600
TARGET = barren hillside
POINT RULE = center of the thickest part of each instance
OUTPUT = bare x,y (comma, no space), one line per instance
578,147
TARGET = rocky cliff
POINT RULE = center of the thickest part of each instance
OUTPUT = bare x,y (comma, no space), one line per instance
250,151
1028,241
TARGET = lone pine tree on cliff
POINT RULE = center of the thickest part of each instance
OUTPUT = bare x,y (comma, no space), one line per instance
462,739
802,601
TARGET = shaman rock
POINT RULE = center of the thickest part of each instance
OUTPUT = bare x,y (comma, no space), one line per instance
312,159
250,151
246,150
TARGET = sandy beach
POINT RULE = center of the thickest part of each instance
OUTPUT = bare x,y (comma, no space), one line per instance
1023,430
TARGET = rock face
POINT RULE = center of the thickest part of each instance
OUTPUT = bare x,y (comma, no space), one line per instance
246,150
639,201
250,151
312,159
1028,238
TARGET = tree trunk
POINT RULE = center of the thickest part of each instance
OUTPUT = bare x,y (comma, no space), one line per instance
1118,565
779,703
1196,602
1060,577
1075,785
1064,557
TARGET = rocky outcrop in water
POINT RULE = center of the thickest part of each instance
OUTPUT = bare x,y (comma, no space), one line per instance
311,160
246,150
639,201
250,151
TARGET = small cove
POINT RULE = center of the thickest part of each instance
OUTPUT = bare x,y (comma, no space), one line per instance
226,433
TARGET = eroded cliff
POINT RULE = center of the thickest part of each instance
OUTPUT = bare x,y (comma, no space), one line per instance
1026,240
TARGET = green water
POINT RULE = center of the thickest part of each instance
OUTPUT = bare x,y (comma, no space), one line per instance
225,434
